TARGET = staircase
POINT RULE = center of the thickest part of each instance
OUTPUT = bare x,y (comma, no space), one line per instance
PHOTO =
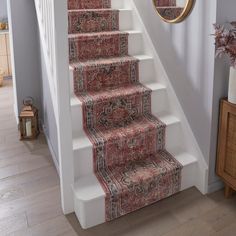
120,158
123,140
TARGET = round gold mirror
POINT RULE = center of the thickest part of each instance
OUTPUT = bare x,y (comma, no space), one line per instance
173,11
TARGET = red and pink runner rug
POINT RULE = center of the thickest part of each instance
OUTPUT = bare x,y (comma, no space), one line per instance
129,156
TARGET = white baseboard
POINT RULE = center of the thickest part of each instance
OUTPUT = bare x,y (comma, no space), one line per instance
213,187
54,158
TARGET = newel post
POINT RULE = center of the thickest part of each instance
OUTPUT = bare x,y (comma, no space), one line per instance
63,98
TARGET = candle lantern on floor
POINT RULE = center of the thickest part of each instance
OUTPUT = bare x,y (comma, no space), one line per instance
29,127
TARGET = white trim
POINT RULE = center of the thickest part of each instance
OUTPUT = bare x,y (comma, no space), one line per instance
213,187
53,154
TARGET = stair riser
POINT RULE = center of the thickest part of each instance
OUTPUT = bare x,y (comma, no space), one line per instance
125,19
117,4
85,4
84,211
79,50
90,47
122,20
83,157
91,213
146,71
76,110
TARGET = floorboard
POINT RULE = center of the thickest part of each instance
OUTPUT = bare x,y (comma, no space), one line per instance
30,197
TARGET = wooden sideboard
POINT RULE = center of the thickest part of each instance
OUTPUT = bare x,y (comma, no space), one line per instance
5,56
226,160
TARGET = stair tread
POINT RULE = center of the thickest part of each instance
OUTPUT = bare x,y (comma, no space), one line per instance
82,141
88,187
122,91
127,90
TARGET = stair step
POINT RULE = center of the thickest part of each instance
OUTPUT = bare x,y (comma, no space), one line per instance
83,149
89,196
99,20
90,46
158,93
145,70
105,73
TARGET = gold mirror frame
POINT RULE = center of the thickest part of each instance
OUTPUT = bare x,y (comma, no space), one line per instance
187,10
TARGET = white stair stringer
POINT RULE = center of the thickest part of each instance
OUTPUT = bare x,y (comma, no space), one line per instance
190,144
89,197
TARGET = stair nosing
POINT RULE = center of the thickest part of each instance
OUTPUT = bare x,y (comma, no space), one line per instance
130,32
76,188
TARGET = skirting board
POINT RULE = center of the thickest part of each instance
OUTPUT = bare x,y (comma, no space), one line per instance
213,187
54,158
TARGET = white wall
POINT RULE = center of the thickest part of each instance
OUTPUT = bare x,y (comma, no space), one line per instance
3,9
29,72
25,52
187,53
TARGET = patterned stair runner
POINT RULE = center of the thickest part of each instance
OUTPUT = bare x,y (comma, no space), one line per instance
129,156
99,20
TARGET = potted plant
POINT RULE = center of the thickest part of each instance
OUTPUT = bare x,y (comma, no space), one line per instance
225,41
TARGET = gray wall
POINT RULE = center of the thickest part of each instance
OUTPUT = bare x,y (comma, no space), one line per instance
3,9
187,53
25,52
29,72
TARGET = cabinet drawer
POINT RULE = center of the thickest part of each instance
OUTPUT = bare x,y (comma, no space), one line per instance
226,163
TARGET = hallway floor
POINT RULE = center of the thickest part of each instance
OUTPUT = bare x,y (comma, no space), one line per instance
30,197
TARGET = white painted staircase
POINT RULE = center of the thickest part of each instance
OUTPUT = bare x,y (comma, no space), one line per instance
89,197
75,166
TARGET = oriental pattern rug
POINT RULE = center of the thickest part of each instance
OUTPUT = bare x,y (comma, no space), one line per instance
129,156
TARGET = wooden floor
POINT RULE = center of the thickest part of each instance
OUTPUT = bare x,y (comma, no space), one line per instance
30,197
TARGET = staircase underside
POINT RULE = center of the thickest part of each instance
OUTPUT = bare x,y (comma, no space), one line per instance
128,151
